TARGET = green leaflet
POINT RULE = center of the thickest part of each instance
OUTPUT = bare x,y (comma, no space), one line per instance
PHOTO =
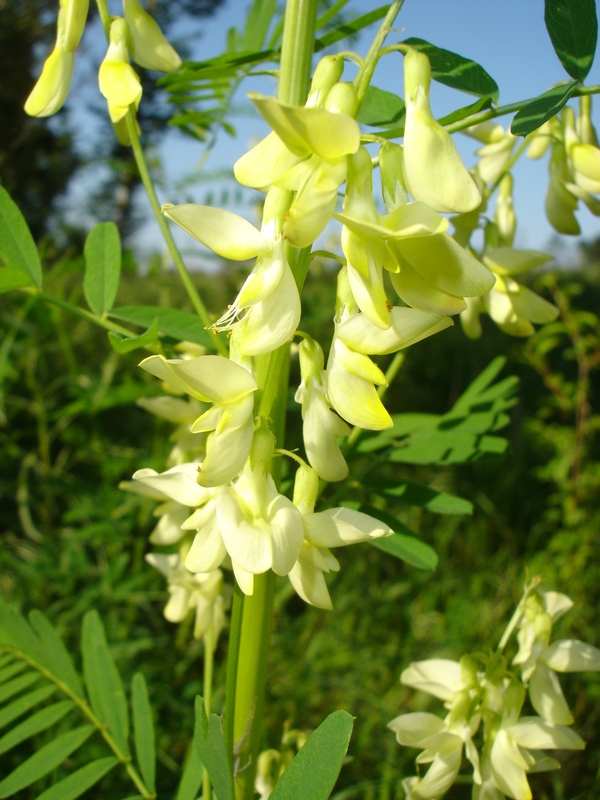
403,544
76,784
411,494
58,658
11,670
350,28
179,324
540,110
192,776
463,434
10,688
103,682
39,722
380,108
17,248
314,771
409,549
45,760
573,29
102,252
24,704
208,738
127,344
13,278
456,71
143,729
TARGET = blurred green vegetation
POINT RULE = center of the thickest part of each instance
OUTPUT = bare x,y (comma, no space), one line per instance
70,431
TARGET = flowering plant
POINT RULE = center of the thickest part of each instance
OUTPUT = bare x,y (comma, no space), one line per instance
237,510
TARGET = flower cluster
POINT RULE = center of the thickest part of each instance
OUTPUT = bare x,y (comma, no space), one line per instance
484,699
574,165
134,35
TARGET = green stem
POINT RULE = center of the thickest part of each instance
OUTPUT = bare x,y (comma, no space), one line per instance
256,610
140,160
209,653
80,312
363,79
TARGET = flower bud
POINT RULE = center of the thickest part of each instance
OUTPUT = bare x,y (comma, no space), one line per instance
147,43
433,171
342,99
117,79
71,22
505,217
51,90
306,489
327,73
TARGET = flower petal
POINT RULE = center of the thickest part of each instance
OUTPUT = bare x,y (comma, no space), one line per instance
224,232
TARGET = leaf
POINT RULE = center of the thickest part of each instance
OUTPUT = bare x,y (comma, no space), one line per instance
102,252
103,682
38,722
573,29
407,548
76,784
350,28
24,703
256,24
127,344
143,730
404,545
45,760
17,685
17,248
179,324
192,776
461,435
13,278
12,670
466,111
58,658
314,771
412,494
540,110
208,738
456,71
16,632
380,108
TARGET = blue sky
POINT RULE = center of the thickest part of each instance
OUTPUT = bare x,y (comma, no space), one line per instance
507,38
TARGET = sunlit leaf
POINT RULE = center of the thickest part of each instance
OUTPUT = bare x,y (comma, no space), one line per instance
380,108
540,110
456,71
573,29
350,28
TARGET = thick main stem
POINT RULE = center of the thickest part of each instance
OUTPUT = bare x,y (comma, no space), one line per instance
249,649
